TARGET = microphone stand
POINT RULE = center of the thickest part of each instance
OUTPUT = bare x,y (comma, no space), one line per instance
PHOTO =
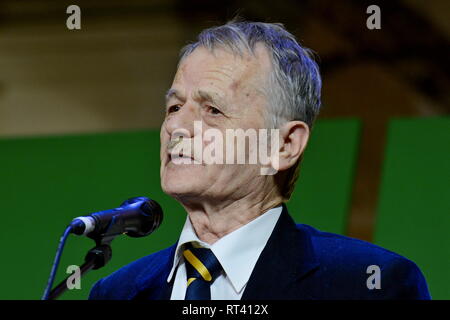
96,258
144,220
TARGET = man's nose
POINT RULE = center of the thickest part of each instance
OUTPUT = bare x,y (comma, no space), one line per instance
182,121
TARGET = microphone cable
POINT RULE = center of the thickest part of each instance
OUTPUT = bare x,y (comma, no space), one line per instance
51,278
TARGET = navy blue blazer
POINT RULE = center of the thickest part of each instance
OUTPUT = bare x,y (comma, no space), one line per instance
298,262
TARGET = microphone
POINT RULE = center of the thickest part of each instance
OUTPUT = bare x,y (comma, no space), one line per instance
136,217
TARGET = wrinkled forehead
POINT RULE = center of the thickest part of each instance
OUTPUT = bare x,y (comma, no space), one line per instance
237,70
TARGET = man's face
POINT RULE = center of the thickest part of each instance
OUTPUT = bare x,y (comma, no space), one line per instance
223,91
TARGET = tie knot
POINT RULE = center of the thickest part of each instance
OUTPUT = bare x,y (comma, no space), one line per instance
201,263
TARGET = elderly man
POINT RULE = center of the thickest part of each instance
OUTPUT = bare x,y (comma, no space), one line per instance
239,241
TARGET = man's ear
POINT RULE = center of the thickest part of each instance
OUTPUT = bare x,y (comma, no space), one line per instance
294,136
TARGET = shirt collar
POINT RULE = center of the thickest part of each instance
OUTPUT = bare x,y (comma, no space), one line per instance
238,251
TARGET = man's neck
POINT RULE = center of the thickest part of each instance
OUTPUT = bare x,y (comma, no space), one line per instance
212,221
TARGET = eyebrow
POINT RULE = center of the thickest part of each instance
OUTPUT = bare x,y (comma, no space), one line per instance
174,93
200,95
207,96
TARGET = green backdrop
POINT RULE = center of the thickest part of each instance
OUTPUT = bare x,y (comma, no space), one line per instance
47,181
414,208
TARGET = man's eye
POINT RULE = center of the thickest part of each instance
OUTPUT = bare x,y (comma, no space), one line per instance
213,110
174,108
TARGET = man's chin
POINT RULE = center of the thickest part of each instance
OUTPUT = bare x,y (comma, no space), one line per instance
179,188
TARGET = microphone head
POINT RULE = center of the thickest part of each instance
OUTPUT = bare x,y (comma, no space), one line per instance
151,216
133,200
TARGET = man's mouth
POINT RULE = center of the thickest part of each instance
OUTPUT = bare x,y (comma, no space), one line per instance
181,158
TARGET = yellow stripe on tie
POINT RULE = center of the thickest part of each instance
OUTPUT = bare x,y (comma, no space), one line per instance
190,280
197,264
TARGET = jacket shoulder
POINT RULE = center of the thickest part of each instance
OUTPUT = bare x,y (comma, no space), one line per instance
327,244
349,263
125,283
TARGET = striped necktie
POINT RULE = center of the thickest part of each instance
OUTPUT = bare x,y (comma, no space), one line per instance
202,268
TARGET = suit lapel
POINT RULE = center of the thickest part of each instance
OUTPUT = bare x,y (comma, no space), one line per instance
286,260
152,284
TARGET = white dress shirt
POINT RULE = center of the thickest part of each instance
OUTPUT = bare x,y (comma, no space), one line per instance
237,252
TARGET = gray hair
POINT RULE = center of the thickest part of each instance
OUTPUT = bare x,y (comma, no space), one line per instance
294,84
